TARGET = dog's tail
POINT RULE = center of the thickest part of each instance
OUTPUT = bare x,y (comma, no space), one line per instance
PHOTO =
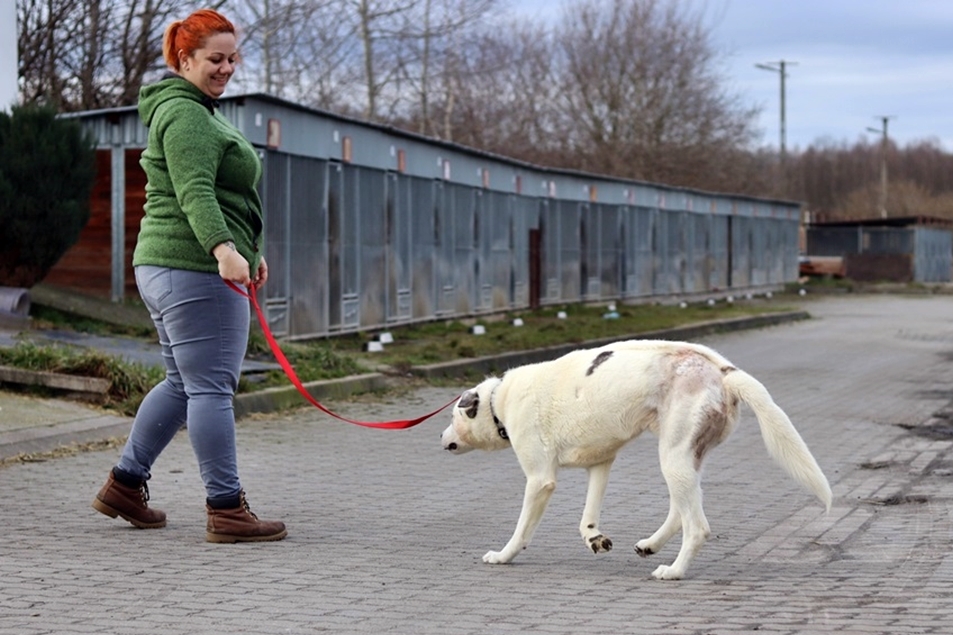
784,443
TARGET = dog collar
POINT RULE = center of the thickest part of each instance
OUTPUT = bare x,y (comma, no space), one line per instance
500,428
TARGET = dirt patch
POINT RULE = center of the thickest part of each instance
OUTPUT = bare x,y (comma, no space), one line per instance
896,499
935,432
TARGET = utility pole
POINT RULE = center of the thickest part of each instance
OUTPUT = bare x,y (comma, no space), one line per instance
780,67
883,161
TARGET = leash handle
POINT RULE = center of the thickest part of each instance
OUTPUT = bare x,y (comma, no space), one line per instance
397,424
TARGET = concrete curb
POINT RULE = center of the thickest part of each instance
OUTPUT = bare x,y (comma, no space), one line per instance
481,366
102,427
48,438
282,397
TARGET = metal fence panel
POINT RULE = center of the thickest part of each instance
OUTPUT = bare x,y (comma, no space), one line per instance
525,217
718,252
466,238
570,264
362,248
759,233
424,238
669,271
834,241
497,257
370,225
308,248
609,251
934,255
741,246
276,220
549,226
701,253
640,254
367,226
588,251
398,247
887,240
335,211
443,230
793,247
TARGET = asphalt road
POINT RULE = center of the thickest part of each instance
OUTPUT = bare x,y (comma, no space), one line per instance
387,531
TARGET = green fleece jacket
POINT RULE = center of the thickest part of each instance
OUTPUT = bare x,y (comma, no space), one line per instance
202,175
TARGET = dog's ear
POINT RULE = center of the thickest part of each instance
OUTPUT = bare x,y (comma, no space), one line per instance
469,403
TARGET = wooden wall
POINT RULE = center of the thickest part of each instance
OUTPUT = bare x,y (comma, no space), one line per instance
87,266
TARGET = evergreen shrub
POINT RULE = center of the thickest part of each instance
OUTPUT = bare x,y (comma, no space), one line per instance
47,170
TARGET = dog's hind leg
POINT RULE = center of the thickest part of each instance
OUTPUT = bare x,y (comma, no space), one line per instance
673,433
589,526
654,543
684,486
539,489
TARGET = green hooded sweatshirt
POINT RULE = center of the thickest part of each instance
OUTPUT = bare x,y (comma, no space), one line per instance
201,182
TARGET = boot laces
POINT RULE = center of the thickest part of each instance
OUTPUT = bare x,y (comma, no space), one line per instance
246,507
144,493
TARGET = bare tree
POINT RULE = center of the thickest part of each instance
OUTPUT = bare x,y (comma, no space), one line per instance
838,180
86,54
139,46
41,45
288,45
435,37
343,55
641,97
90,35
622,87
377,24
497,92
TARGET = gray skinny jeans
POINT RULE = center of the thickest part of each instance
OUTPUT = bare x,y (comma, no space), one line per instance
203,332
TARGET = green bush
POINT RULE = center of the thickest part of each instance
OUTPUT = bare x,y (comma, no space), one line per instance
47,170
128,381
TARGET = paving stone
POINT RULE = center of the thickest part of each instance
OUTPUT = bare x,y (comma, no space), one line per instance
387,531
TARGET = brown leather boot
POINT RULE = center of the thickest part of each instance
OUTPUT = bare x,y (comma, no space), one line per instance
131,503
240,524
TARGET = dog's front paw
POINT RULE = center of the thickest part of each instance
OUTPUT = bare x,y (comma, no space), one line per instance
599,543
495,557
665,572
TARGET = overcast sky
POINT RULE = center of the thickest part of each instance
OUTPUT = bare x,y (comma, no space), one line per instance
850,62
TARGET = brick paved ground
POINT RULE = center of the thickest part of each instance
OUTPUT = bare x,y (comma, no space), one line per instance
387,531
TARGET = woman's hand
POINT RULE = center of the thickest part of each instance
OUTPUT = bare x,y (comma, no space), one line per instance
262,276
232,265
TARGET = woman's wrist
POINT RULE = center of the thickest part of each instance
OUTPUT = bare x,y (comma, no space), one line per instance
223,249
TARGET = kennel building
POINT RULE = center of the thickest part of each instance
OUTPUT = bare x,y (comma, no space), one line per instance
899,249
368,227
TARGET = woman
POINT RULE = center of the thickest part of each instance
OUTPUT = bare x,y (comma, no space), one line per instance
202,227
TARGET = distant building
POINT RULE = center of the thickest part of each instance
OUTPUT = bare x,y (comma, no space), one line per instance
902,249
368,226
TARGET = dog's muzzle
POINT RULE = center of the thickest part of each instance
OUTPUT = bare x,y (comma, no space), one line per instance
452,442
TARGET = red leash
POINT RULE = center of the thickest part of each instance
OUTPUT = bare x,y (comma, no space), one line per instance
398,424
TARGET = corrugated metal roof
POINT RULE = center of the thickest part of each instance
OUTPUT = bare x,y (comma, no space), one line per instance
131,132
894,221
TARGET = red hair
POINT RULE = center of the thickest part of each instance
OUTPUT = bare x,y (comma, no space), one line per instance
189,35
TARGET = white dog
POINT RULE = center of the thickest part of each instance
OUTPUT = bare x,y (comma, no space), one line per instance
580,409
